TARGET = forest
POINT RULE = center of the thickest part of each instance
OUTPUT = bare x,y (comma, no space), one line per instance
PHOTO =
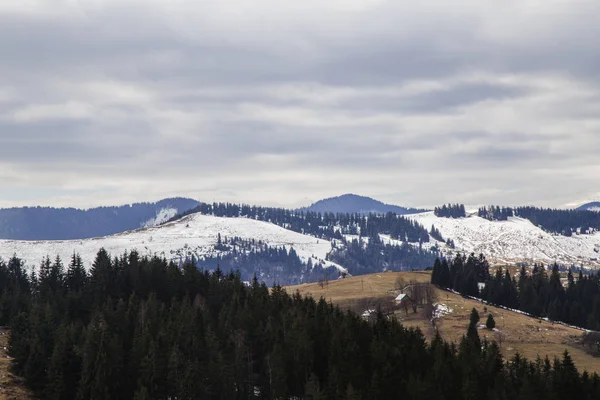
321,225
450,211
140,328
271,265
539,292
363,252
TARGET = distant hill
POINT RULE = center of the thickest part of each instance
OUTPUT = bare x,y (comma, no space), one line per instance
250,246
593,206
47,223
352,203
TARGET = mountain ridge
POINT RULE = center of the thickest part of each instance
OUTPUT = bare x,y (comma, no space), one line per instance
591,206
51,223
207,239
351,203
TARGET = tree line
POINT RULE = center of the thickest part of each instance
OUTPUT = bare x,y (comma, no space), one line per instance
563,222
539,292
371,254
450,211
48,223
250,257
144,328
272,265
359,247
321,225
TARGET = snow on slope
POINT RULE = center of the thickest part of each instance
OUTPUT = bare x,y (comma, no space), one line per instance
194,234
161,217
514,240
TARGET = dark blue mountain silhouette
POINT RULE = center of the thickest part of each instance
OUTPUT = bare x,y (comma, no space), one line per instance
593,206
352,203
47,223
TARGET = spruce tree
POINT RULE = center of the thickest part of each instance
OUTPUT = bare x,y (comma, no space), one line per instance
490,323
474,317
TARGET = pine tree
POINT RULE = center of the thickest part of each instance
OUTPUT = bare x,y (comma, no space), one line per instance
76,277
490,323
102,283
65,366
474,318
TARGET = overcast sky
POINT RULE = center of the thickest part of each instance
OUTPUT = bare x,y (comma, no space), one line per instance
282,103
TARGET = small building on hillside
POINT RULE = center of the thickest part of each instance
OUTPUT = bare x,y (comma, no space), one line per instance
404,301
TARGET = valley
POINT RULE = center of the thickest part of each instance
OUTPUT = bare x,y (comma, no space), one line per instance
528,336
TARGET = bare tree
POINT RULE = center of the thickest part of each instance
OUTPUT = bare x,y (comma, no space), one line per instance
400,283
430,296
387,305
415,291
430,293
405,305
499,338
428,311
592,340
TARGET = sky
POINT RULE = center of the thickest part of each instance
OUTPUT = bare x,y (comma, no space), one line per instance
284,103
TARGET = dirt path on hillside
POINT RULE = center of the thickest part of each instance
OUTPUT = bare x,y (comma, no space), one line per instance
11,387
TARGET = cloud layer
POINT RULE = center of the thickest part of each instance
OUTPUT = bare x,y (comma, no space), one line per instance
266,102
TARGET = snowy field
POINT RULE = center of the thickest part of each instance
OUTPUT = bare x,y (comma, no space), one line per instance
195,234
514,240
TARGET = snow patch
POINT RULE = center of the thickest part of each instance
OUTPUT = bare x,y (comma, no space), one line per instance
161,217
514,240
368,313
441,310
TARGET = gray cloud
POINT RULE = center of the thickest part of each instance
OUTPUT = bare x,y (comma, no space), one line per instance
286,103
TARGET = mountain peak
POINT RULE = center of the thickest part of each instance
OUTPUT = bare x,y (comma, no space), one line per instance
353,203
592,206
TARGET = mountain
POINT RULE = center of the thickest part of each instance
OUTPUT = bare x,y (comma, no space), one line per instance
355,204
47,223
593,206
513,241
208,239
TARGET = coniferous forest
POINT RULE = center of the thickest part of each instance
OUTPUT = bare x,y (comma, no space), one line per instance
139,328
539,292
363,253
451,211
320,225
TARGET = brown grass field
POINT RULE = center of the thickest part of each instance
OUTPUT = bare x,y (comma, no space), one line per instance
519,333
11,387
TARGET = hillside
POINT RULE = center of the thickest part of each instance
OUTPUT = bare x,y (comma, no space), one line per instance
520,333
514,240
195,236
47,223
593,206
355,204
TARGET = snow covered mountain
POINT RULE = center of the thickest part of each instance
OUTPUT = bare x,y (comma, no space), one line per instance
355,204
194,235
515,240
